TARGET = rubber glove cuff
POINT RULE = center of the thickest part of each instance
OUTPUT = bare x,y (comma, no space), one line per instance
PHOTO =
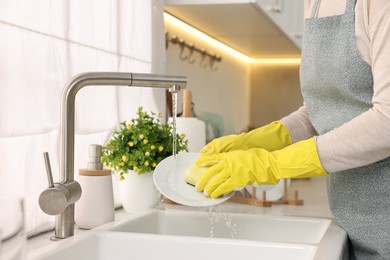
238,168
273,136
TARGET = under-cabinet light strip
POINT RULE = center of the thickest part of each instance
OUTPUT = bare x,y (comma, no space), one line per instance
210,40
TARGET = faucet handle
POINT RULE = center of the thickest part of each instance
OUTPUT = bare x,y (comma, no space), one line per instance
48,169
54,199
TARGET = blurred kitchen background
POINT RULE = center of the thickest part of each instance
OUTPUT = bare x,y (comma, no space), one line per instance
257,80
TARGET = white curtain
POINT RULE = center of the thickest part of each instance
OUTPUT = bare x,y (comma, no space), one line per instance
43,44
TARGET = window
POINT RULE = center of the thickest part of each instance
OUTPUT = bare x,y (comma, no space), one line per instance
44,43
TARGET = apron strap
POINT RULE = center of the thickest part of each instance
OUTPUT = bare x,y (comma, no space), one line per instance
350,6
314,10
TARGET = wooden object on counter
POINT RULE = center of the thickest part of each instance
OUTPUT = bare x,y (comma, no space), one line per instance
168,201
168,99
286,200
187,103
86,172
241,197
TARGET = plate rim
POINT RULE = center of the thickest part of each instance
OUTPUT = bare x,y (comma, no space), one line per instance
157,173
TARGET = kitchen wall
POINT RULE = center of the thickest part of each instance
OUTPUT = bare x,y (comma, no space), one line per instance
245,95
275,92
223,89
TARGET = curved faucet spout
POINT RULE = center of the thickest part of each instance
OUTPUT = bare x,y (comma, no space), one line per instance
65,220
101,79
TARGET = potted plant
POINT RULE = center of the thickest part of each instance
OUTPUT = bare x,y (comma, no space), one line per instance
135,149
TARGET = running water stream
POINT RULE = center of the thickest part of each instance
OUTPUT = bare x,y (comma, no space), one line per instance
216,213
219,214
174,115
172,180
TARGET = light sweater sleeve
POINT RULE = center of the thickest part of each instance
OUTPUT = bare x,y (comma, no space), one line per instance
366,138
298,125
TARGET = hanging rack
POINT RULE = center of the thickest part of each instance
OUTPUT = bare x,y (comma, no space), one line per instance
187,51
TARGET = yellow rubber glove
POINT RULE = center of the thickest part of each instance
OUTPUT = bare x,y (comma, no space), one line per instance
273,136
239,168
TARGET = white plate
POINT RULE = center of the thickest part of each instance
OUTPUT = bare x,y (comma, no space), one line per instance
172,185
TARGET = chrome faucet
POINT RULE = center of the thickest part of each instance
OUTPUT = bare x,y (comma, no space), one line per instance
60,197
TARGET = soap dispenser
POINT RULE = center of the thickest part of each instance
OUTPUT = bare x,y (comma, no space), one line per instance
96,205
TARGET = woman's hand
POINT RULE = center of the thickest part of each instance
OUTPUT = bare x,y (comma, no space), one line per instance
228,171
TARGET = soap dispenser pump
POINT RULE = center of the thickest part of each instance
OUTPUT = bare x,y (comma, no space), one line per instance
96,205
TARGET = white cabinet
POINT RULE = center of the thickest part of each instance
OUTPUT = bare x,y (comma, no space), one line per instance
287,15
257,28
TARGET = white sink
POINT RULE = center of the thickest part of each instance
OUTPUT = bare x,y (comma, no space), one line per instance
118,246
229,225
188,234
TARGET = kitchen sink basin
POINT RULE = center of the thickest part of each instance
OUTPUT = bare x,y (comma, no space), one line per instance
118,246
193,234
229,225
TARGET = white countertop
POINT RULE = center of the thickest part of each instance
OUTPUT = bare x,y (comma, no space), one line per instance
312,191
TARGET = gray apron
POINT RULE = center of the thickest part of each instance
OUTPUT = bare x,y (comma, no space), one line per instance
337,85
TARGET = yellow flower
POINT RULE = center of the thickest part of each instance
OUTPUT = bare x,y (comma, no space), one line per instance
160,149
141,136
124,158
159,113
117,169
131,144
135,168
154,165
146,163
182,136
152,147
138,171
128,127
146,141
121,178
107,144
147,154
122,163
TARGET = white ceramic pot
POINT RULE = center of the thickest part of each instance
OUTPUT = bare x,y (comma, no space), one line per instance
138,192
